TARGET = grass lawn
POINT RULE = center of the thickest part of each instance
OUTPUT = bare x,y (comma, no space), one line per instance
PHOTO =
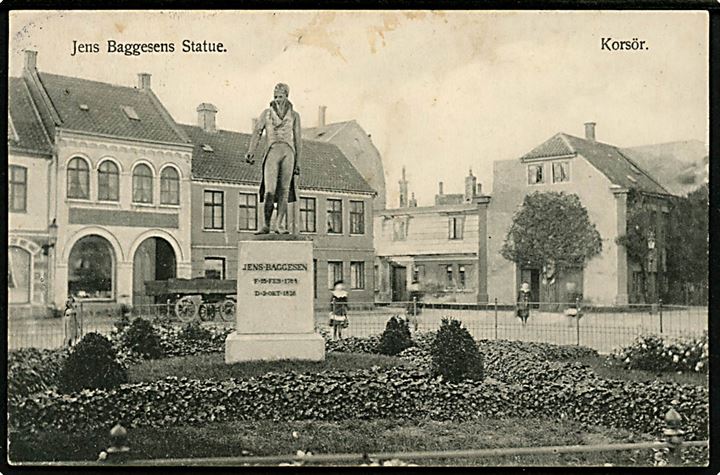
598,365
212,365
350,436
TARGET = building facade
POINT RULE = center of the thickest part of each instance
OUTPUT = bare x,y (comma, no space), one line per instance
602,176
117,188
358,148
439,249
334,210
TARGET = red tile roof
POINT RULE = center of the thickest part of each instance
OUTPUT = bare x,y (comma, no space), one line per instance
29,134
608,159
322,165
104,112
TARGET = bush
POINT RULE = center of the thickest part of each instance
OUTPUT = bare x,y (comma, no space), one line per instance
31,370
142,339
193,331
92,363
395,338
654,353
455,354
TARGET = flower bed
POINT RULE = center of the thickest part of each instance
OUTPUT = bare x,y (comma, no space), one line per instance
31,370
654,353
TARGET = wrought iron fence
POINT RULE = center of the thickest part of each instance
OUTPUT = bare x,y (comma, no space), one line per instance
601,327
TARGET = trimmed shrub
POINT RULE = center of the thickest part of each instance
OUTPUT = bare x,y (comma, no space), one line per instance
654,353
395,338
455,354
142,339
193,331
92,363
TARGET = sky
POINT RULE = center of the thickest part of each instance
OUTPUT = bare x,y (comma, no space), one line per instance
439,92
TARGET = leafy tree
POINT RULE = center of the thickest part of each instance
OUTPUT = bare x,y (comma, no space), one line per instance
687,246
639,227
551,230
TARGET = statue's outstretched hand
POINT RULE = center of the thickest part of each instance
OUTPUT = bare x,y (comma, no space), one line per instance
249,158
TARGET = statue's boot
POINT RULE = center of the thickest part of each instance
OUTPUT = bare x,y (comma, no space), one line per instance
267,212
282,212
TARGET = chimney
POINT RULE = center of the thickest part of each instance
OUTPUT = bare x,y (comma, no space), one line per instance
440,186
413,201
590,131
479,190
403,190
144,81
206,116
321,116
470,186
30,60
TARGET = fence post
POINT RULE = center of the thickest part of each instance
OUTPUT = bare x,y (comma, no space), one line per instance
674,435
496,320
415,305
660,311
118,452
577,322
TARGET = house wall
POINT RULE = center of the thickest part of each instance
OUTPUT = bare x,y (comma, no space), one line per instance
28,230
343,247
428,244
124,224
510,186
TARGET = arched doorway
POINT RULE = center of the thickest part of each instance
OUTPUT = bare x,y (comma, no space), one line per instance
154,259
91,269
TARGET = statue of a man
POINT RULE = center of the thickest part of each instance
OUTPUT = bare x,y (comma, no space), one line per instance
281,158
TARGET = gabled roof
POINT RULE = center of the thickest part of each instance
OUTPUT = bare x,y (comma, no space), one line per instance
97,107
25,130
326,132
220,156
608,159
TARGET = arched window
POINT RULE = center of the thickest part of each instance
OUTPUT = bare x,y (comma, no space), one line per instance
18,275
169,187
108,181
142,184
91,269
78,179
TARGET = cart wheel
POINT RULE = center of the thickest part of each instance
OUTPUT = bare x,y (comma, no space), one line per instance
227,310
185,308
204,312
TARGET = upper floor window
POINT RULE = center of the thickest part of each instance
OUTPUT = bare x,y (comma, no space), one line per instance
169,187
308,213
455,227
535,174
108,181
357,217
142,184
17,188
78,179
400,229
213,210
561,172
334,216
247,212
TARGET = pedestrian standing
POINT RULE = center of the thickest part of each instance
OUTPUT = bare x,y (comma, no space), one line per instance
522,309
71,321
338,309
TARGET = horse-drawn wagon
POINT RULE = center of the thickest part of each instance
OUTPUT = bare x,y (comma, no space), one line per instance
200,297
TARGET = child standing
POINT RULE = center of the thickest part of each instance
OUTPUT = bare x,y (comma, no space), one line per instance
71,323
523,303
338,309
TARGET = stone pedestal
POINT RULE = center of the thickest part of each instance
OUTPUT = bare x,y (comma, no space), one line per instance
274,319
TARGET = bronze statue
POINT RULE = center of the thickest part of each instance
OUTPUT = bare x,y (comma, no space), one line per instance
281,158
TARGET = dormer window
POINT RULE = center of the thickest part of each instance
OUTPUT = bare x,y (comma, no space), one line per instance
84,107
130,113
535,174
207,148
561,172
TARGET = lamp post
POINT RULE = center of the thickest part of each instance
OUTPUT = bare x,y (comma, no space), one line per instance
50,253
652,263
